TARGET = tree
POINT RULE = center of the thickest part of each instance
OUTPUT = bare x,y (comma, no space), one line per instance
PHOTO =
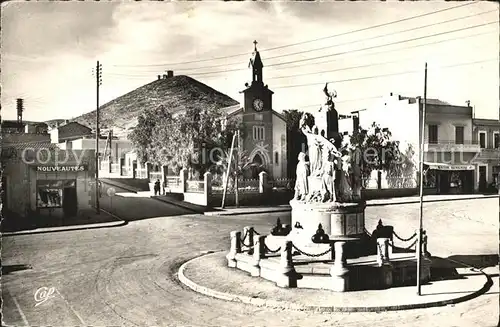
379,151
184,140
401,173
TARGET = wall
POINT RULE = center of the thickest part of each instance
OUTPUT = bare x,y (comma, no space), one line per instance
118,147
447,117
17,180
390,112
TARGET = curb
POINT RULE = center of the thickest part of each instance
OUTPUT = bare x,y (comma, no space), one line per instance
229,213
122,186
368,204
175,203
117,223
429,201
300,307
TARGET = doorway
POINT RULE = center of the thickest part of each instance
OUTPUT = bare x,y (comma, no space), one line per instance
482,178
70,205
443,181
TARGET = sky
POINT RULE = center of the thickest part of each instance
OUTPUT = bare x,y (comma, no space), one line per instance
50,48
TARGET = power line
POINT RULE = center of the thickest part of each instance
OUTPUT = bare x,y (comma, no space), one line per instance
349,42
305,42
352,51
383,75
216,73
383,45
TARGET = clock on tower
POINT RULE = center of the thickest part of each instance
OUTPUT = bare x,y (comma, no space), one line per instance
258,104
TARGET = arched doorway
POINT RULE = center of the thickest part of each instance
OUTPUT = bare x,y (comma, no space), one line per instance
257,160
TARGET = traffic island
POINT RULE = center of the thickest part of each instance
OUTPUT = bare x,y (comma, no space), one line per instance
210,275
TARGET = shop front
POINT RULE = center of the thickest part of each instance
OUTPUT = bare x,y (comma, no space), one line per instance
42,185
60,191
448,178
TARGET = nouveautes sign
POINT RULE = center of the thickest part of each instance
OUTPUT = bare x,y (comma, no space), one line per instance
49,169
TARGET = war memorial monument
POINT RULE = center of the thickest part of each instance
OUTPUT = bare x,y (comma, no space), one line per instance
326,246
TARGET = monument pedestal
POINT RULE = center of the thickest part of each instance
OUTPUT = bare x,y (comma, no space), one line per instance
340,221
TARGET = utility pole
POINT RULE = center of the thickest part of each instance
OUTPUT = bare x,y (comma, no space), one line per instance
228,172
420,224
237,168
97,188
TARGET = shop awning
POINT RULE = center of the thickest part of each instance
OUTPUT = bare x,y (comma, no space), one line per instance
444,166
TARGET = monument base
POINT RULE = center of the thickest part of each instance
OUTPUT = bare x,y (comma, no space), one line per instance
340,221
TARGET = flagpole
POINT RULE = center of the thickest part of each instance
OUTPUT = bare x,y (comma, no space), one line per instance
420,224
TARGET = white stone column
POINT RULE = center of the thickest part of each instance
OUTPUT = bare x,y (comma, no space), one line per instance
235,248
339,271
259,247
263,177
286,275
183,175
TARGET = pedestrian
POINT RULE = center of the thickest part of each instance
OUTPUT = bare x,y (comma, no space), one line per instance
157,187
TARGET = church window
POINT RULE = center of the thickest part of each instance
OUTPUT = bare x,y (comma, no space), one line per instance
258,133
276,157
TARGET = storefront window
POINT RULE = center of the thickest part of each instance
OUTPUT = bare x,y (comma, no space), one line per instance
50,192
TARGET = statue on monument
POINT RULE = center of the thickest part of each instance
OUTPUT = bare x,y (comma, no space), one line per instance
333,174
301,184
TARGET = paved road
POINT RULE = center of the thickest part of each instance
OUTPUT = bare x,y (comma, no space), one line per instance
129,206
125,276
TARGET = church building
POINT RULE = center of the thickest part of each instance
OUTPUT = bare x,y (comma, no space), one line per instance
264,138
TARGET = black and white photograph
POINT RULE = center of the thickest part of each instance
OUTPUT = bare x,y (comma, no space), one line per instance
250,163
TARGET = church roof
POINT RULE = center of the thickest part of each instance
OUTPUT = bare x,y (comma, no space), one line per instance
256,61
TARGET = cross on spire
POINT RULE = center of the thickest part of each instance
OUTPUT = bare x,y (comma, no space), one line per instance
255,44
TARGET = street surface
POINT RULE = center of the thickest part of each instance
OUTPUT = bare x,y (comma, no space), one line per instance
126,276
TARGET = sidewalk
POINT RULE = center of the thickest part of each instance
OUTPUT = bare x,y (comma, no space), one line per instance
210,276
87,220
231,211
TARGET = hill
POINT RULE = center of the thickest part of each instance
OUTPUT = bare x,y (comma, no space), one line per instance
176,93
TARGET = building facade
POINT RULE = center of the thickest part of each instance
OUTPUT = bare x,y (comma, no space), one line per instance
450,149
41,179
264,139
486,133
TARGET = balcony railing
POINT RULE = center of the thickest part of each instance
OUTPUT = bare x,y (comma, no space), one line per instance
452,145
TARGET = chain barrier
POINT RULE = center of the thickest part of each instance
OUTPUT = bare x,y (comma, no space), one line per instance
250,246
245,237
269,250
402,239
406,248
310,255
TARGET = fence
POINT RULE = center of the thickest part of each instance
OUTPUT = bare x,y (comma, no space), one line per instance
141,173
282,184
195,186
115,168
244,186
155,175
126,171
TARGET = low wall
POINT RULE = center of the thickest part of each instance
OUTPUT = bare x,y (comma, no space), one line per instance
252,199
196,198
372,194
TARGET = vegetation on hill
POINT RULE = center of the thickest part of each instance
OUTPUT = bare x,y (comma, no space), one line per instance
175,94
